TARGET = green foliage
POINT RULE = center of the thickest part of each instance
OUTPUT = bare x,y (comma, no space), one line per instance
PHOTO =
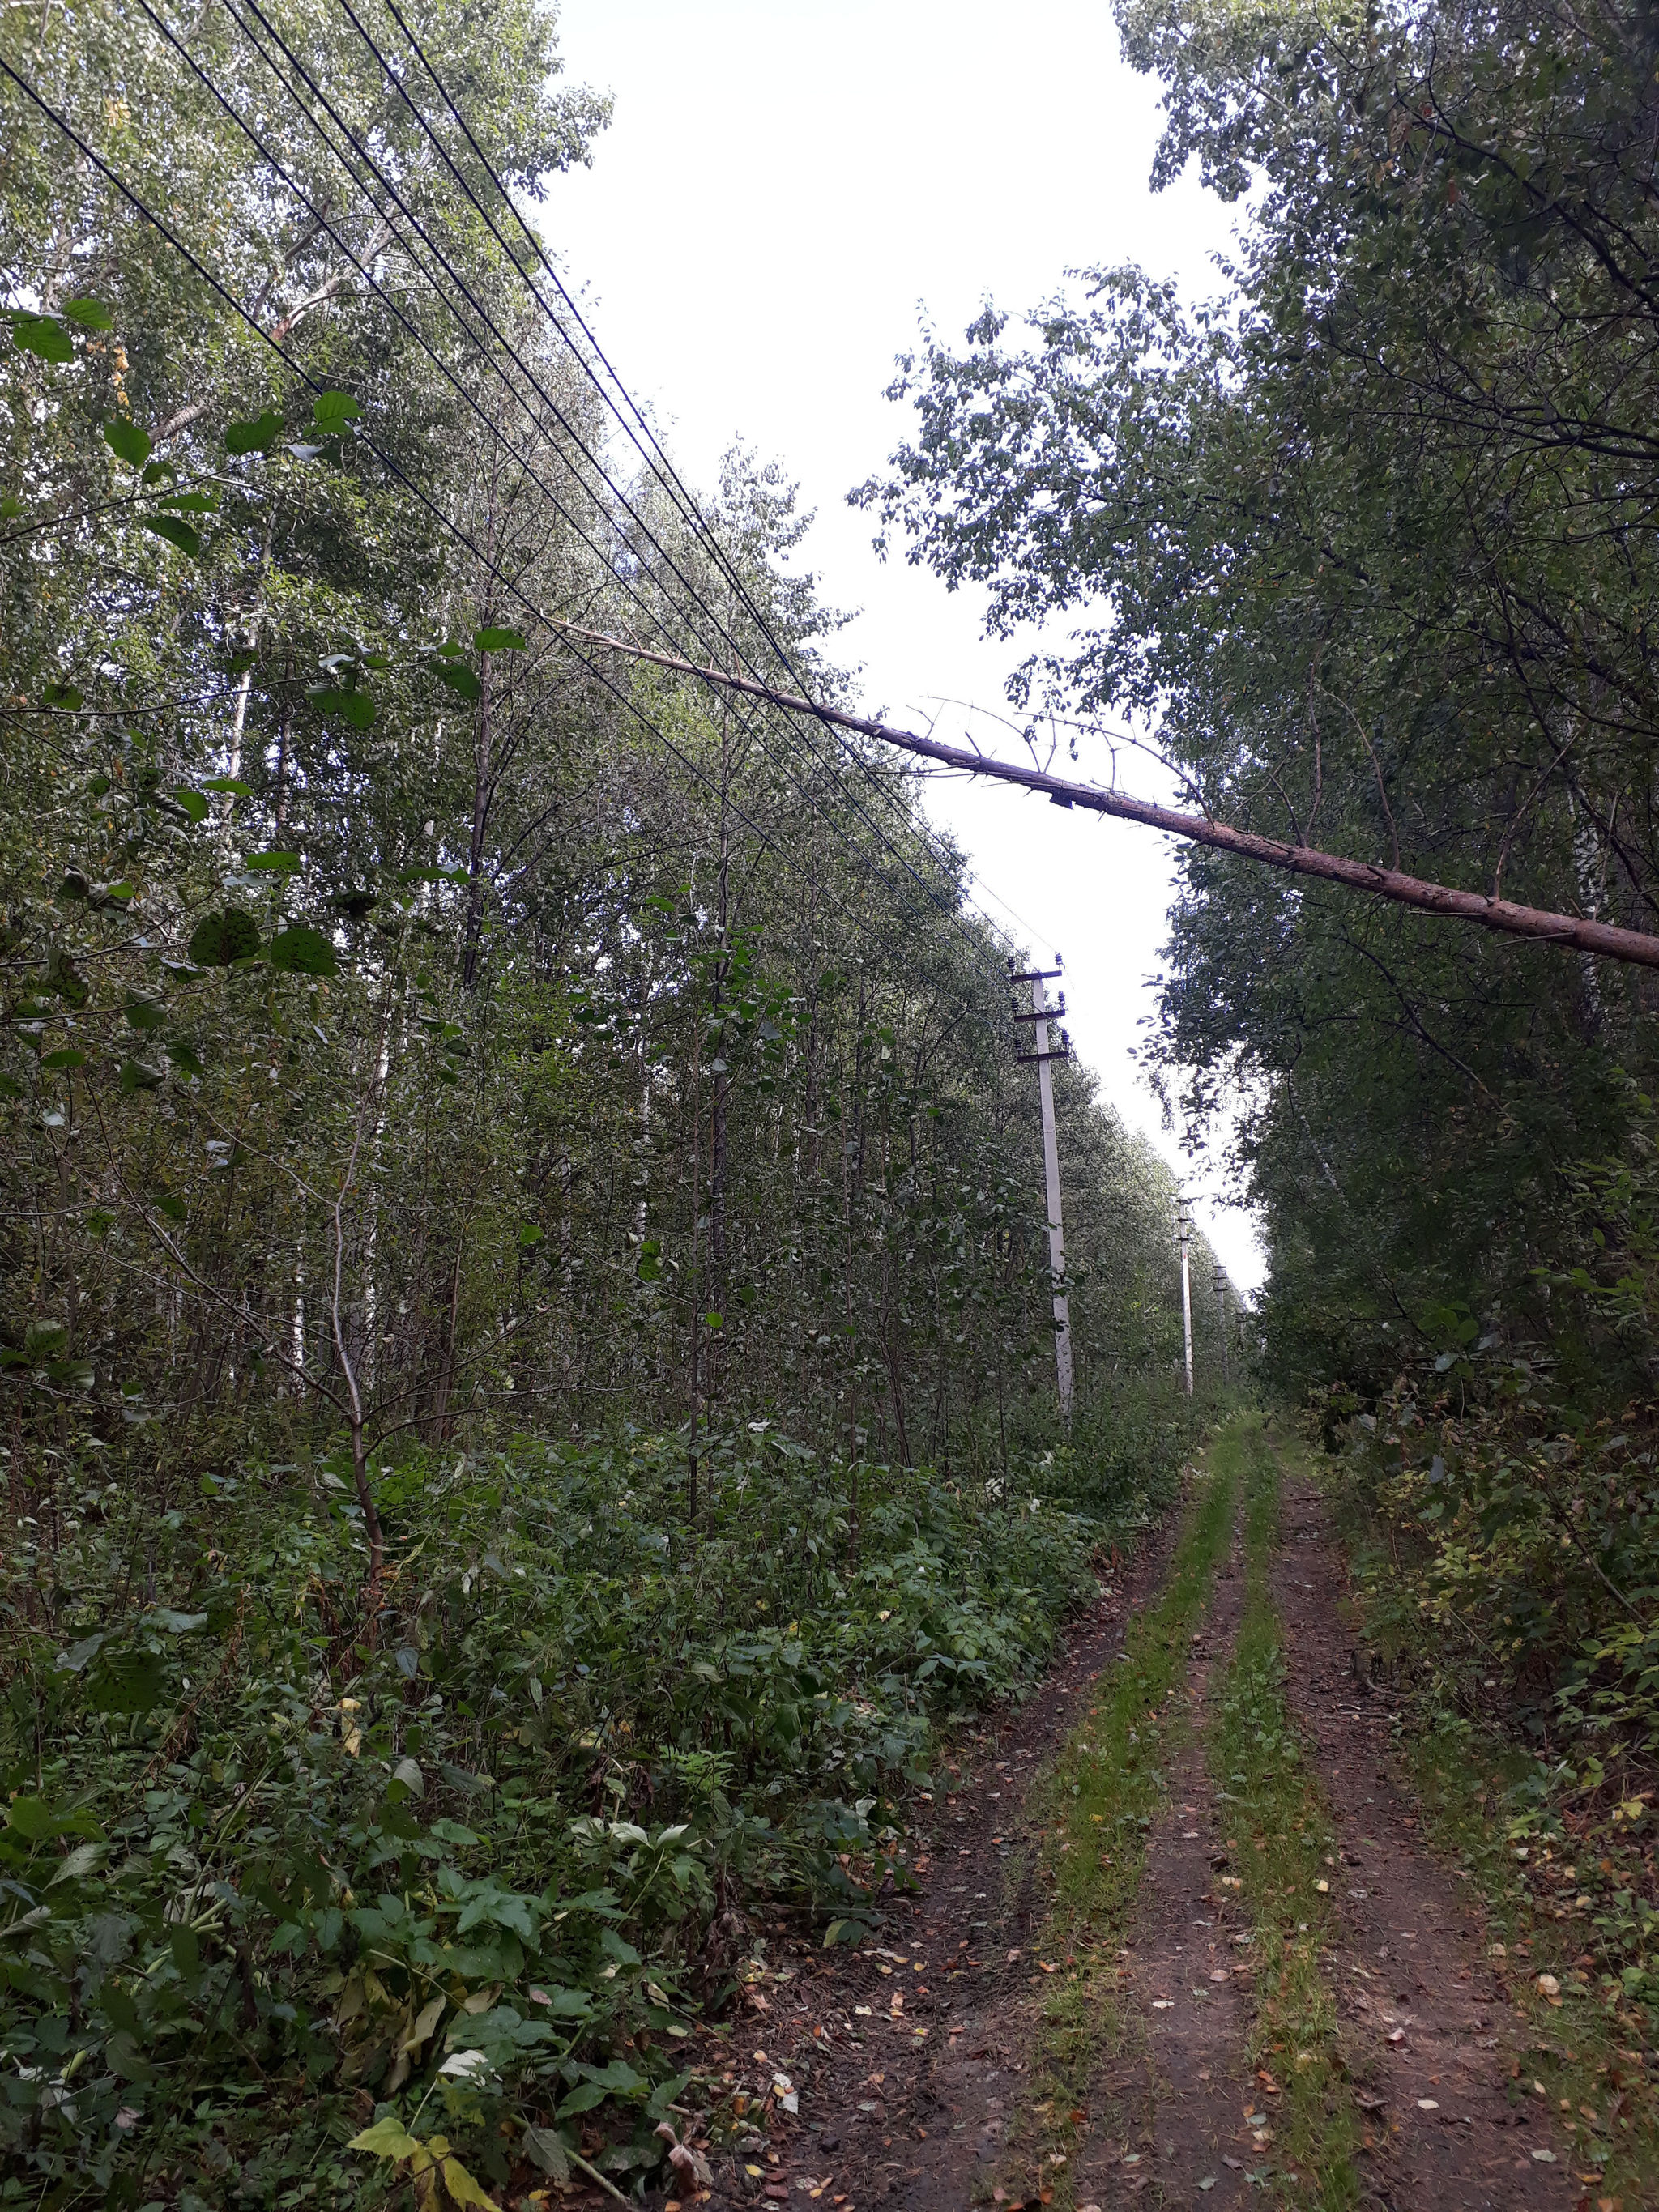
474,1857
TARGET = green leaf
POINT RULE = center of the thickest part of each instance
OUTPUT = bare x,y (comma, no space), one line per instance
158,472
185,1057
127,442
42,335
334,410
499,640
192,502
144,1013
232,785
33,1818
193,803
274,864
67,1058
175,1624
66,979
459,677
256,437
174,1207
544,2148
529,1236
582,2099
62,695
355,706
175,532
139,1075
222,938
91,314
355,903
303,950
387,2138
129,1682
122,2056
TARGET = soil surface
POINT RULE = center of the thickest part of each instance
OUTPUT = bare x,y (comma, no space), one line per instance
906,2059
1427,2023
905,2104
1171,2101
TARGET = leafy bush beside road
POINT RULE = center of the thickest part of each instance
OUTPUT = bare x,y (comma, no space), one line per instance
273,1878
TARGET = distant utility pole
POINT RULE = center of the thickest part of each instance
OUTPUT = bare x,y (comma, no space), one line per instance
1040,1016
1221,1303
1184,1235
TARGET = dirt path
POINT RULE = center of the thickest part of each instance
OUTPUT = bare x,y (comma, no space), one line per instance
1426,2021
1169,2100
910,2059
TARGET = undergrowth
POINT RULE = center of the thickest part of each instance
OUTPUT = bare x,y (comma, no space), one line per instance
1530,1785
1590,2061
283,1886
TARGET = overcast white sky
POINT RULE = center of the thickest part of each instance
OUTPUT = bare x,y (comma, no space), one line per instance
786,184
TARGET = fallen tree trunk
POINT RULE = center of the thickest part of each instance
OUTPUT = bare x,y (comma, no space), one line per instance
1602,939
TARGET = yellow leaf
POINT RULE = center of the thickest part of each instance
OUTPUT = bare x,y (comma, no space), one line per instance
387,2139
463,2189
425,2020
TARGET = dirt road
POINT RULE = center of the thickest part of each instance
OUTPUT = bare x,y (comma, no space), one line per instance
1088,2010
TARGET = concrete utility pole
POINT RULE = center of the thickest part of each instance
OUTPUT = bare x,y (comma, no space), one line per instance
1039,1019
1184,1233
1221,1303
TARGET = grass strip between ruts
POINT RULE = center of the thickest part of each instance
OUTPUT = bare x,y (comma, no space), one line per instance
1093,1808
1282,1842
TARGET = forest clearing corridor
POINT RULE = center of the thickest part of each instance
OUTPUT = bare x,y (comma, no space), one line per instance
1177,1939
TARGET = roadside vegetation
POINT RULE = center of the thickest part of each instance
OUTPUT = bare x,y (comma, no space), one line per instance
493,1873
527,1380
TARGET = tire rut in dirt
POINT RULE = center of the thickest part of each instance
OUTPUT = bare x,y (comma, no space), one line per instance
911,2120
1170,2100
1427,2028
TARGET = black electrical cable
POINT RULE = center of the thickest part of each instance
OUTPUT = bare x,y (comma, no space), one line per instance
449,527
363,155
268,155
671,480
377,170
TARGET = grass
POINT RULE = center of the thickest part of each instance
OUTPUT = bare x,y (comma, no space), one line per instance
1282,1836
1096,1804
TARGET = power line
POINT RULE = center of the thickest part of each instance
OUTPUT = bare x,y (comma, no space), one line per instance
455,276
671,480
419,338
567,631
